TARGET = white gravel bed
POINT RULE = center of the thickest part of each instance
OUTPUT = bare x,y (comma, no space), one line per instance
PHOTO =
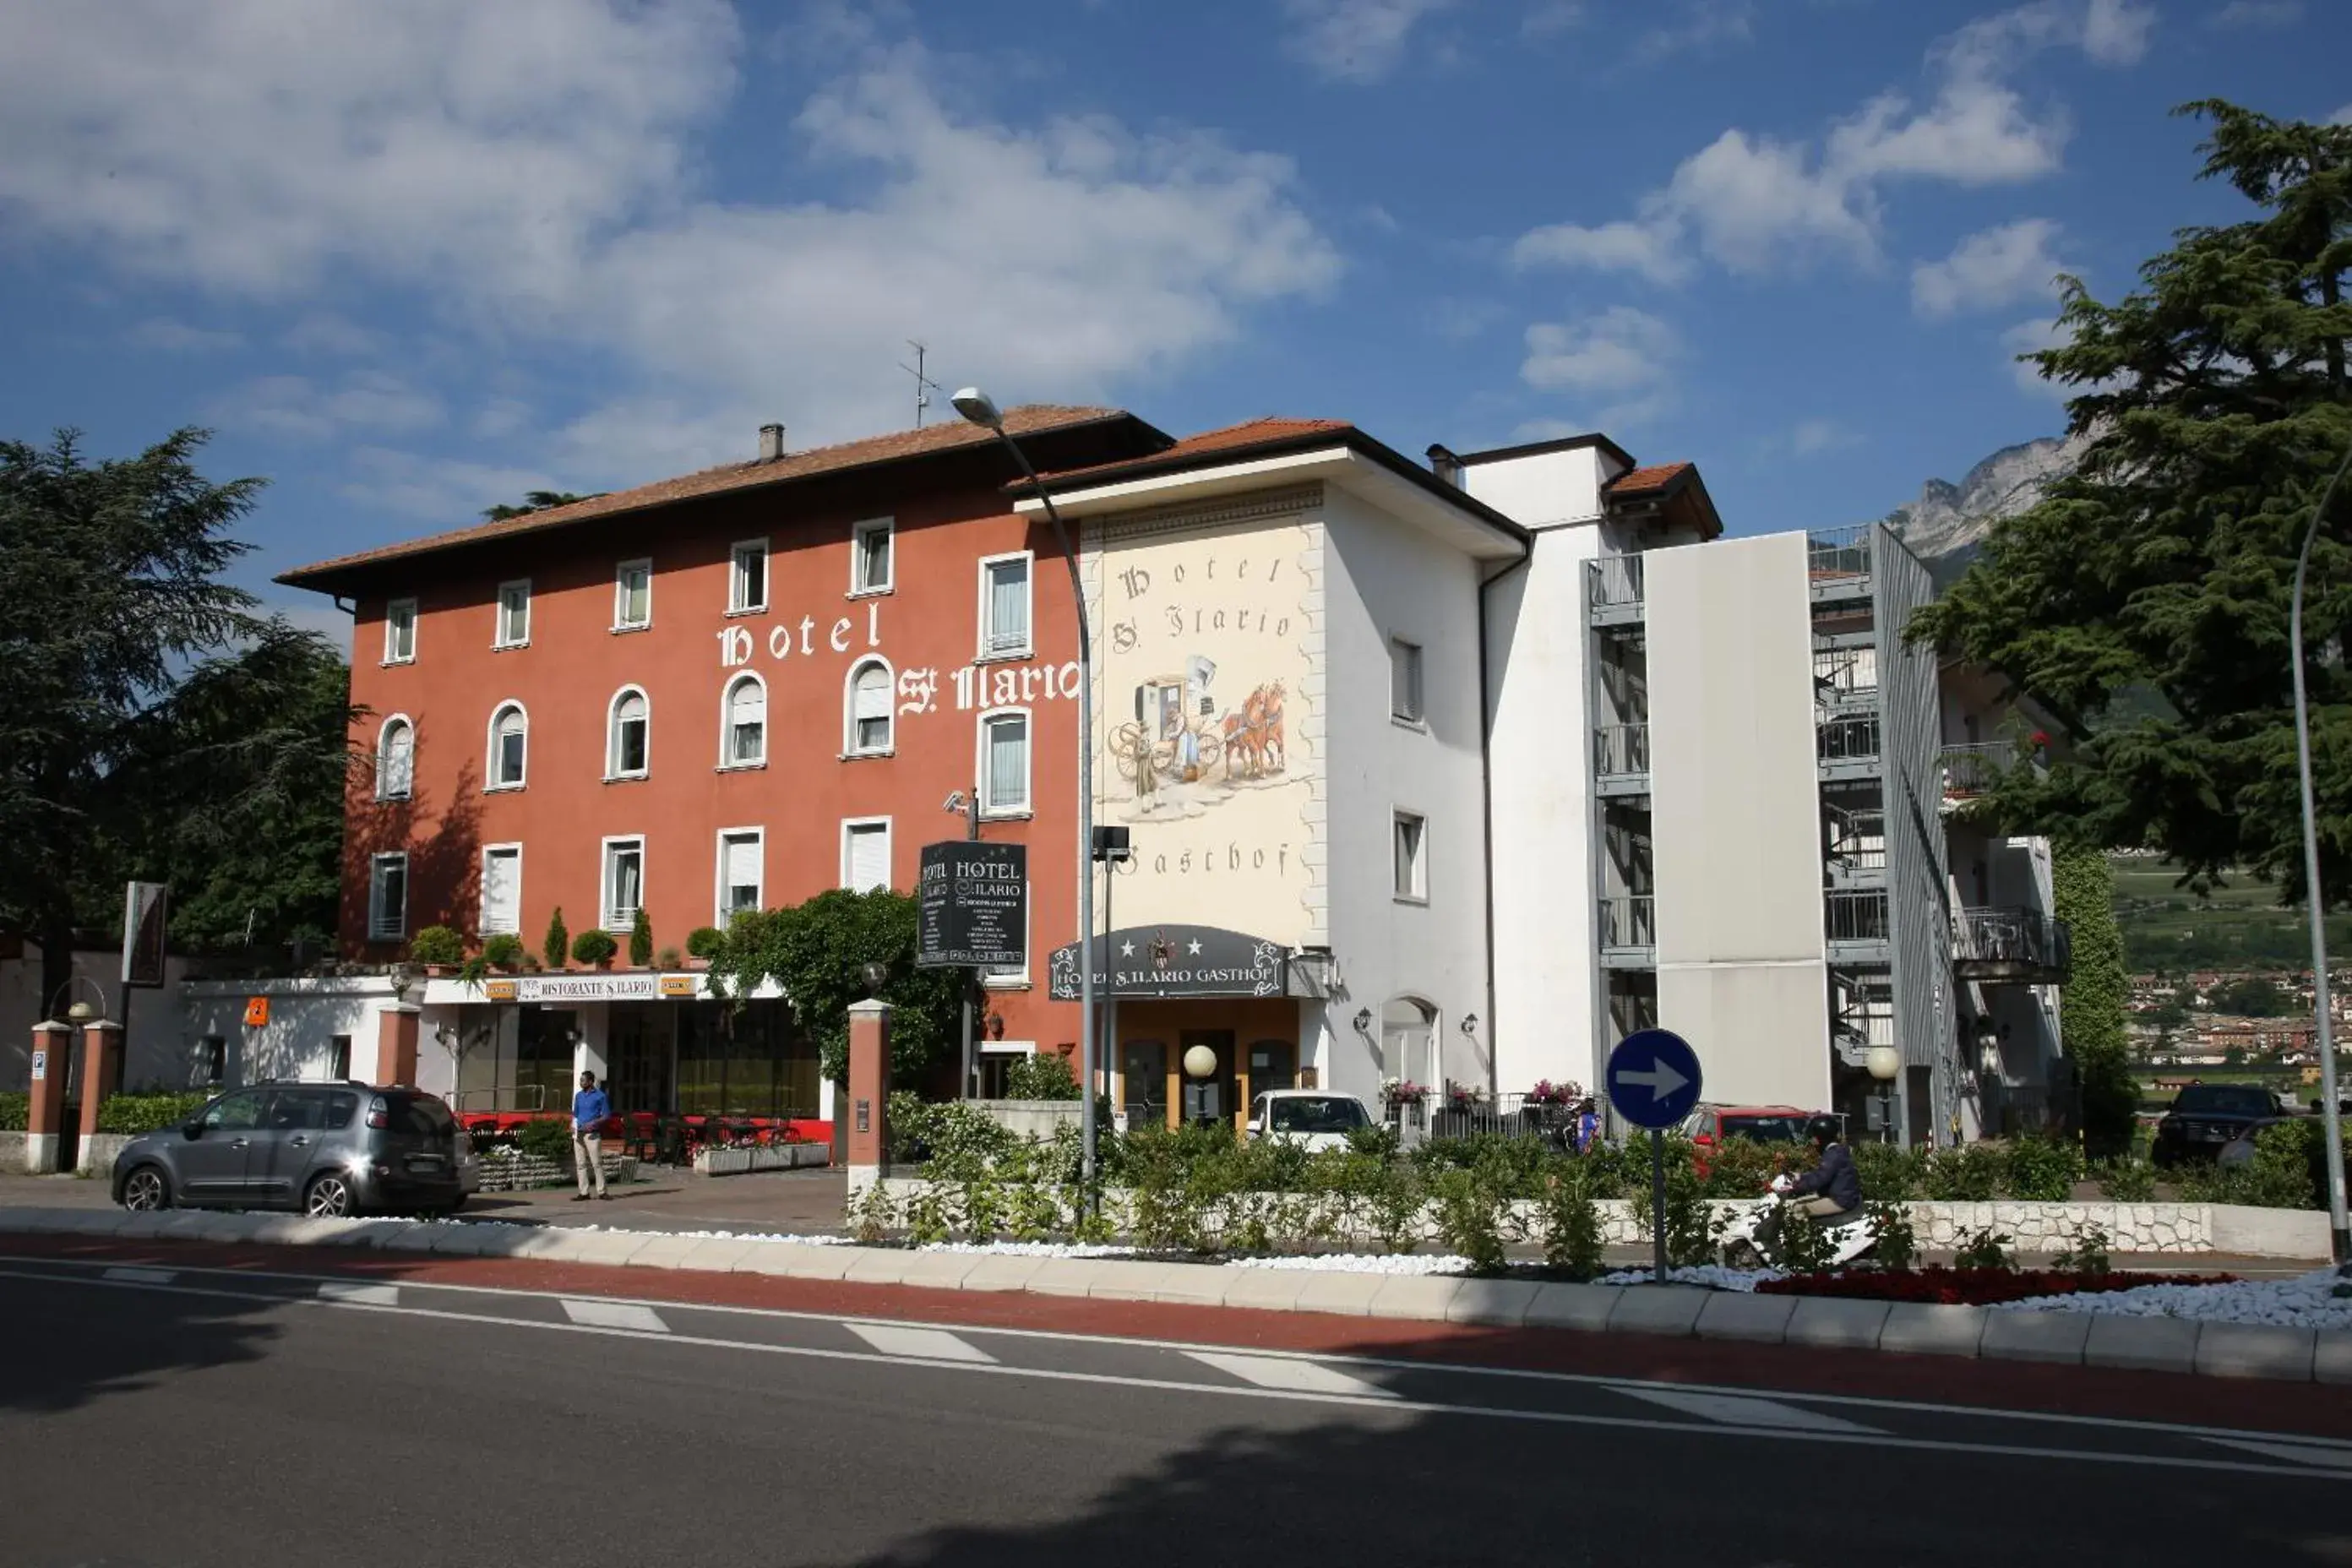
2308,1301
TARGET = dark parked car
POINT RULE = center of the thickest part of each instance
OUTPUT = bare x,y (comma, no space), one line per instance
2241,1149
2206,1117
327,1149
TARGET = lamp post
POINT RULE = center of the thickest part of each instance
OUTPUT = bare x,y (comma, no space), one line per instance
978,408
2331,1119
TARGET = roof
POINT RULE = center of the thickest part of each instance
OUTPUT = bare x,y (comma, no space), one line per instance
1537,448
1642,481
896,446
1673,492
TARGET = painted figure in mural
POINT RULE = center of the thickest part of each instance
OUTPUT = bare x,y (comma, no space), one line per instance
1254,742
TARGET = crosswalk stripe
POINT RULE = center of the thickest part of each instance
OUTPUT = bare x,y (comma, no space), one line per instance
2301,1453
614,1315
1740,1410
141,1275
360,1295
925,1345
1290,1374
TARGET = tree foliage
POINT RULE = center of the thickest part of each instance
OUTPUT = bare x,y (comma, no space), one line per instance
533,500
2091,1007
817,952
2215,400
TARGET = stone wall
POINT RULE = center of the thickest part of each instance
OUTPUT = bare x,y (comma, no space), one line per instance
1032,1118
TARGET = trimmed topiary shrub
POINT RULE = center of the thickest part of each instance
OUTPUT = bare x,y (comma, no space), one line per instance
705,943
437,945
641,940
595,947
503,950
558,945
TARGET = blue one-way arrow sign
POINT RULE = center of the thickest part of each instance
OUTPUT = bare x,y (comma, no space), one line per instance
1653,1078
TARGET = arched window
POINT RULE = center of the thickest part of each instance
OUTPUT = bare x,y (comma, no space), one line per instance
867,704
509,745
396,759
628,742
743,723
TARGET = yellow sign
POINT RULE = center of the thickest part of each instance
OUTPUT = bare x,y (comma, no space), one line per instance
256,1012
678,984
499,990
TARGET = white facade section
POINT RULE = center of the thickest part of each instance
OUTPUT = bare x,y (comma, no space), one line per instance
307,1017
1736,805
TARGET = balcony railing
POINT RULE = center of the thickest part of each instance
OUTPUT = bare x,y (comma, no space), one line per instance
2022,946
1629,924
1855,841
1849,745
1970,769
1614,585
1845,677
1831,553
1855,917
1621,751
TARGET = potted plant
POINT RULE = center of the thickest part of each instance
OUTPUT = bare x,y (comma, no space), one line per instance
504,951
704,944
438,949
558,945
595,948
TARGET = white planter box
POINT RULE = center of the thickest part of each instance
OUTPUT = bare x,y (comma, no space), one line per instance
765,1157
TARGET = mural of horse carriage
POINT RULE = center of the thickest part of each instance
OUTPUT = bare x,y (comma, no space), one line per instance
1176,736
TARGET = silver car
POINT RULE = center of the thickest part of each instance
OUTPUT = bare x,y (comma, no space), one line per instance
327,1149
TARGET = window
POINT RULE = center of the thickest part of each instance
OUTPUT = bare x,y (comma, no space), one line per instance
1412,867
1404,681
1005,763
868,704
339,1064
629,737
396,759
238,1112
400,632
866,854
744,722
624,883
388,896
740,873
502,889
747,577
510,743
212,1058
514,613
1004,607
869,557
632,596
340,1108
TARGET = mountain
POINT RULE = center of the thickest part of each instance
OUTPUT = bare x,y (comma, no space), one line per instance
1948,522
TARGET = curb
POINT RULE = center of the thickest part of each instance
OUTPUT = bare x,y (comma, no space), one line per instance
2067,1339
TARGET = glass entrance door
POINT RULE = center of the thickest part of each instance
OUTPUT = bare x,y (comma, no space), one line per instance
1143,1083
640,1057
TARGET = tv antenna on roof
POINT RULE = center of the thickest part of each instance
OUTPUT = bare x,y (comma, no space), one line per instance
924,384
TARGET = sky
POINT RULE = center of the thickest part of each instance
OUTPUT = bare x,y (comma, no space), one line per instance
410,260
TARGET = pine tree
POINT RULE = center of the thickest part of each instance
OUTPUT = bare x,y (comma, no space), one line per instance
641,941
558,945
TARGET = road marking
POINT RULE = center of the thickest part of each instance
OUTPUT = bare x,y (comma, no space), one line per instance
1554,1418
920,1344
1738,1410
1290,1374
614,1315
2301,1453
359,1295
141,1275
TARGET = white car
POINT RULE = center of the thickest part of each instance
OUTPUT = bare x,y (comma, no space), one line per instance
1312,1118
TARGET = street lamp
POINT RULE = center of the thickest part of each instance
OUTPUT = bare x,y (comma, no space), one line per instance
979,408
2332,1119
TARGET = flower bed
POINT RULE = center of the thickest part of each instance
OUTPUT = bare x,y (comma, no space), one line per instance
1936,1285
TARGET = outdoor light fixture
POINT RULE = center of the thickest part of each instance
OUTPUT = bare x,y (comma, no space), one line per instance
876,975
1884,1062
980,408
953,805
1469,1023
1200,1061
1363,1020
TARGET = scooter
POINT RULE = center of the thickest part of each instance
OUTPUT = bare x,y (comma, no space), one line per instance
1748,1240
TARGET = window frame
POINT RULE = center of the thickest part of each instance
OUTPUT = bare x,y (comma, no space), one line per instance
888,528
606,864
727,690
983,774
613,771
1417,664
482,888
621,570
379,928
392,608
491,782
850,748
1418,891
735,552
850,826
720,914
408,791
499,641
982,653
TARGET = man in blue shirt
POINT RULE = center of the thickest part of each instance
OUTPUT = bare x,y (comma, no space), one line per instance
590,1107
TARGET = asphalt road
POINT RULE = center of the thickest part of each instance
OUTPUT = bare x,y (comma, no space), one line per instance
180,1416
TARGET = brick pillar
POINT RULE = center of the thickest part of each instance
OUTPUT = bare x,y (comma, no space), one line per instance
396,1028
869,1093
101,1075
45,1117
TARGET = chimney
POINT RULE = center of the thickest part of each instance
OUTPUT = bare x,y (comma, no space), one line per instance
1445,465
772,443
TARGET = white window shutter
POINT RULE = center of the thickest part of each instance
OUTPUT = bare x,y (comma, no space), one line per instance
743,862
869,858
873,696
501,891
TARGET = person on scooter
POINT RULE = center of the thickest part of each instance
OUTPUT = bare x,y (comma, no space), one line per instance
1832,1188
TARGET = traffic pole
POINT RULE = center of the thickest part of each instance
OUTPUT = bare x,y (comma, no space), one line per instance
1658,1198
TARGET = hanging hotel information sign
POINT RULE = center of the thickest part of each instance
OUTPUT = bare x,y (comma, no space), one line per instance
972,902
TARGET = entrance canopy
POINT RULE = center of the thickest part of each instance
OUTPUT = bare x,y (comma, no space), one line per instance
1173,961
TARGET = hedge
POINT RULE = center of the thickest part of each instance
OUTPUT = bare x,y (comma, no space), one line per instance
15,1109
133,1113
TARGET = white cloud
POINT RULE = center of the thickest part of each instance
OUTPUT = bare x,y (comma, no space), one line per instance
444,490
1815,435
1354,41
179,338
1753,203
1621,355
1993,268
532,171
1698,24
1548,17
325,332
2028,337
2258,13
296,408
2342,116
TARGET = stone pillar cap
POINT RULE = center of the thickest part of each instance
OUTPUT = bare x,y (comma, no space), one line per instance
872,1007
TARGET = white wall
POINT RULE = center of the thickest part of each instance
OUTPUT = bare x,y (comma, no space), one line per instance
304,1018
1384,578
1543,490
1735,798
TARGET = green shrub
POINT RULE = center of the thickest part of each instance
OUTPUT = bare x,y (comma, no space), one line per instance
2039,1170
1969,1173
641,940
15,1109
2087,1253
503,950
1471,1213
705,943
2124,1180
134,1113
546,1138
595,947
1743,1167
1890,1172
437,945
1044,1075
1692,1229
1985,1249
2286,1173
1572,1223
1898,1241
557,946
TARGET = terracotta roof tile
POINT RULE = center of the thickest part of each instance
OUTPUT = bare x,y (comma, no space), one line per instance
1025,420
1642,481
